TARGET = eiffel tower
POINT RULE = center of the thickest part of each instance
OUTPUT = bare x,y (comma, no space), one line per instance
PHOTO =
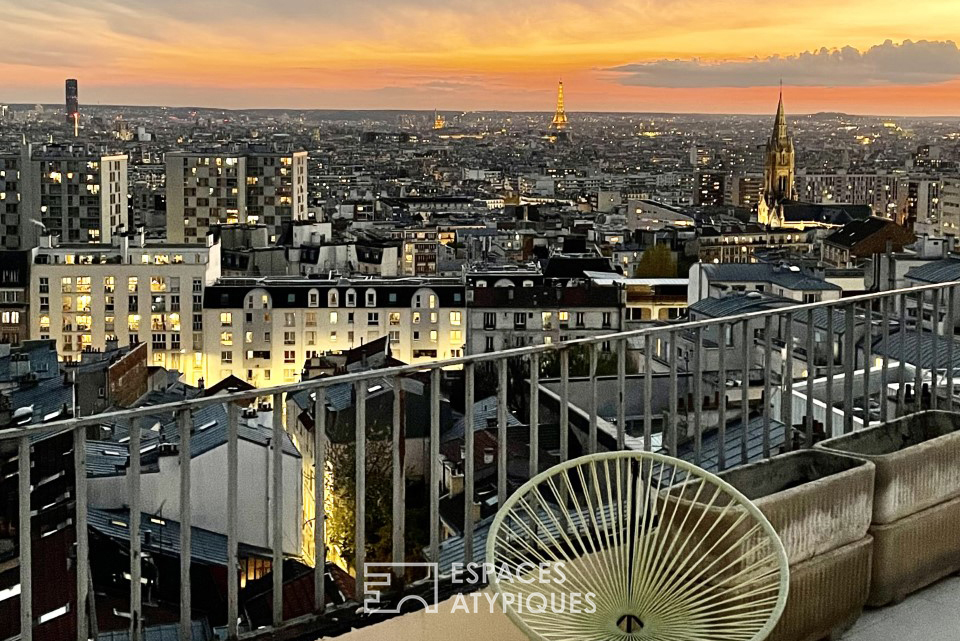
560,118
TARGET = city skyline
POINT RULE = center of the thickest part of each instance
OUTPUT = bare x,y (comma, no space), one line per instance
658,56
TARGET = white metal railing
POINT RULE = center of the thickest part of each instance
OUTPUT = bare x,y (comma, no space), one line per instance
758,333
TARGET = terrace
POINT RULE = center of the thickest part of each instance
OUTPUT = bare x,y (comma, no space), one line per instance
647,389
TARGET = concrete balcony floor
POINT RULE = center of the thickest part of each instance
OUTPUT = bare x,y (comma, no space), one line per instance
932,614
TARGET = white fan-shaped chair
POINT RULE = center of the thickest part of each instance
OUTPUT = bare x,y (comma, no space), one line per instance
668,551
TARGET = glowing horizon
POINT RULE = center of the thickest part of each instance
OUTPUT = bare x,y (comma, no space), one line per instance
693,56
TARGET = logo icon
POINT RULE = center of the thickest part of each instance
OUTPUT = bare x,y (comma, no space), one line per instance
378,576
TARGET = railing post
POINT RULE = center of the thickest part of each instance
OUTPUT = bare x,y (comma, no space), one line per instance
697,397
534,414
435,464
885,340
647,392
722,396
918,353
185,425
621,392
564,404
319,499
935,369
768,369
398,499
360,477
902,391
233,508
594,401
831,362
672,434
745,392
468,459
86,617
786,400
501,431
849,363
277,539
133,473
867,350
951,329
25,539
811,375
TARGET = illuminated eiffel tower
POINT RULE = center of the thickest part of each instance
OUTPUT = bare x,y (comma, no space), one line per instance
560,118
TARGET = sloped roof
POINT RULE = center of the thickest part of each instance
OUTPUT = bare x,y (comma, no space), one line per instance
766,273
918,349
209,432
736,304
484,411
857,231
838,214
206,547
938,271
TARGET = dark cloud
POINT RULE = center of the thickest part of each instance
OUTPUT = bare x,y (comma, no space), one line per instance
922,62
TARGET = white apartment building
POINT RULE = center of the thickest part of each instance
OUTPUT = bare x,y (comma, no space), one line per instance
76,192
130,291
514,311
949,207
241,186
160,491
263,330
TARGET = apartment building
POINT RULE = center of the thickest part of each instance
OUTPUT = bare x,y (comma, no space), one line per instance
93,296
950,207
263,330
516,310
76,192
784,281
727,244
420,250
14,295
207,188
879,190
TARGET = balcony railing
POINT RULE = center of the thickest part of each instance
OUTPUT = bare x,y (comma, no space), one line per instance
660,377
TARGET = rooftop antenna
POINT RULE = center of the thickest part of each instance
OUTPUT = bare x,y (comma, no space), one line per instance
667,549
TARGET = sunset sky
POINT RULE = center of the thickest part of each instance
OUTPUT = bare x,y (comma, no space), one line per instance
859,56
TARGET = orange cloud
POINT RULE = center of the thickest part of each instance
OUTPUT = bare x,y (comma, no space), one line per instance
458,54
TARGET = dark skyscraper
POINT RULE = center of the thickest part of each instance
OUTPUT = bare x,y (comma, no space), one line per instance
73,101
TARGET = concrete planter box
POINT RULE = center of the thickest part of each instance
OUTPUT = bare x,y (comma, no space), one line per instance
816,500
914,552
917,459
827,594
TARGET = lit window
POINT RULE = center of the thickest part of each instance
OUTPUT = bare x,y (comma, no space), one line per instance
433,336
455,318
226,338
333,318
226,319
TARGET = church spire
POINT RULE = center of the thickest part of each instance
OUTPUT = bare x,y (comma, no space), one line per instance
778,170
780,126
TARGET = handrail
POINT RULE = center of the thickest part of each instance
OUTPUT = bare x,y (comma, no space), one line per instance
406,370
